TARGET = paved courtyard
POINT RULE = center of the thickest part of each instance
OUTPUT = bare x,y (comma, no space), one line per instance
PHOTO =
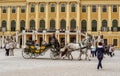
44,66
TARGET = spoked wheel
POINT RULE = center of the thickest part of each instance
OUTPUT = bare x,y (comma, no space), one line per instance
53,54
26,53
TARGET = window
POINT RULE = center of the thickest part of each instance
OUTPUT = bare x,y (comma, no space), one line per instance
94,25
52,24
105,42
63,24
114,8
63,8
114,25
93,8
22,25
104,8
32,24
72,25
13,9
23,9
73,7
42,24
4,23
42,8
84,25
104,25
32,8
83,8
4,9
52,7
13,25
115,42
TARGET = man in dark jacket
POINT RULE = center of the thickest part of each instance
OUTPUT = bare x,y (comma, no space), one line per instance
99,52
54,41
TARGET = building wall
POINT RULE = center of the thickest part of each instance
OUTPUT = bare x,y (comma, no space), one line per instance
78,15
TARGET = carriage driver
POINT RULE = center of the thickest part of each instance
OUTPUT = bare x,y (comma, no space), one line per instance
54,41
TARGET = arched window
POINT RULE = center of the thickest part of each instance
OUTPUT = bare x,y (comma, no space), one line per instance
32,8
32,24
73,7
22,25
83,25
94,25
13,25
52,24
114,25
62,24
42,24
62,7
4,23
104,25
72,25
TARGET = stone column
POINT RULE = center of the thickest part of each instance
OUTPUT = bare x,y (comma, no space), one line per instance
18,19
68,11
78,22
3,41
89,20
8,18
119,17
0,16
57,15
36,13
67,23
99,18
17,39
27,13
24,39
46,20
109,17
33,35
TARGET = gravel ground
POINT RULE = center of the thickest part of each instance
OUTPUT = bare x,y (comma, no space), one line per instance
44,66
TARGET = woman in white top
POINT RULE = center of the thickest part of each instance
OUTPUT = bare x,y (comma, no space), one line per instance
7,48
93,48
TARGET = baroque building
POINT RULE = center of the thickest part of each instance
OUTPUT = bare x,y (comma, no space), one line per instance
38,19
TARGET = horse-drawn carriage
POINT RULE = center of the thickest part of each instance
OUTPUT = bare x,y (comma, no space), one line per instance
30,51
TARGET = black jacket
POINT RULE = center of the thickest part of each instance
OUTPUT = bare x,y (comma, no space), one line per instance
100,51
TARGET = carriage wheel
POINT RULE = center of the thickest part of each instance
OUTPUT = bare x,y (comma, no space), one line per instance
53,54
26,53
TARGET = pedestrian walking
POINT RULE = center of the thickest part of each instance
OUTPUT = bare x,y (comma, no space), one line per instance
111,50
7,48
99,52
93,48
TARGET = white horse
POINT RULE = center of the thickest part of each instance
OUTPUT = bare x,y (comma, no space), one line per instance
12,47
82,47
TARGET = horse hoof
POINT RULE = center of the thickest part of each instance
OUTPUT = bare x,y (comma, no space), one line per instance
89,60
79,59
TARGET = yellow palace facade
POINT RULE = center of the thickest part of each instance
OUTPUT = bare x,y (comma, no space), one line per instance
38,19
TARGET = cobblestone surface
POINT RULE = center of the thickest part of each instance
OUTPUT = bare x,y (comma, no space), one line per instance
44,66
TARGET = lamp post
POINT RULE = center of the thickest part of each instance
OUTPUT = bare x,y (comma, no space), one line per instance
3,38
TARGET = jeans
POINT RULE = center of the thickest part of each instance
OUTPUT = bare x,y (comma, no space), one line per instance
7,52
99,63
